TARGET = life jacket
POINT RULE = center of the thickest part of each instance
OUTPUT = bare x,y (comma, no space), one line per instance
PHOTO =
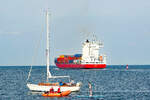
58,91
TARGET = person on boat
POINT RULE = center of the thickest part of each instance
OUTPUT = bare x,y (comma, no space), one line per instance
71,83
58,91
90,89
61,83
51,90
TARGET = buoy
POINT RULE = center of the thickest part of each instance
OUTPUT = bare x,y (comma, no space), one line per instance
127,67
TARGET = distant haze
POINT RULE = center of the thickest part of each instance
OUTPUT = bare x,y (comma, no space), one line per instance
123,26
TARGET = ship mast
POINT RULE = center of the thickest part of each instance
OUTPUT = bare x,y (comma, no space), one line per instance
47,45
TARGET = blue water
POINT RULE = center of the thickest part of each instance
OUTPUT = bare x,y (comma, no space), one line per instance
112,83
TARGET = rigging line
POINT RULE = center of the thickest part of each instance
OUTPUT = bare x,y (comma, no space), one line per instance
34,56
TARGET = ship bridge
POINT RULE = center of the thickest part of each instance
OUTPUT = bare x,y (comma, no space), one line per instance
90,53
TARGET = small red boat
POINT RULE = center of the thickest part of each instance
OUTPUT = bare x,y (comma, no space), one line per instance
55,94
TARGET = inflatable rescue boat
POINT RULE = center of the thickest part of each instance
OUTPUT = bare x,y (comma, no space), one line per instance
55,94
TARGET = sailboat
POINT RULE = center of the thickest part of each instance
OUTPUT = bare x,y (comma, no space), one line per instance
47,86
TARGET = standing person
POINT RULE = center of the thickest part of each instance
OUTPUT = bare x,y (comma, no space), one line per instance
90,89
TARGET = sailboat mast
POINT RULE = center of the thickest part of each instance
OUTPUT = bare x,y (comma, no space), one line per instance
47,45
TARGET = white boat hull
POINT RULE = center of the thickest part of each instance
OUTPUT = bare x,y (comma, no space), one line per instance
36,87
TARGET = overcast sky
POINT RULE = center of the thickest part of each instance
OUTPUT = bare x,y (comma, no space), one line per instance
123,26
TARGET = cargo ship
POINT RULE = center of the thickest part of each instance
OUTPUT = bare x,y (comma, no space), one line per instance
90,57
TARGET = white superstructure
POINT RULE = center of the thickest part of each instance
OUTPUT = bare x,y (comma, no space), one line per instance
90,53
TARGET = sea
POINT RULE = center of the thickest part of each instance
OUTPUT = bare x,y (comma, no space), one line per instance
112,83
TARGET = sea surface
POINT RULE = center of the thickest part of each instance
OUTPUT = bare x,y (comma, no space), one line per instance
112,83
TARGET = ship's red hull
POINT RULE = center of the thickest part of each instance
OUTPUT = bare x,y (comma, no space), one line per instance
81,65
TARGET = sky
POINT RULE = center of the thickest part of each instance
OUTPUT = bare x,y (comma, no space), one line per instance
122,25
